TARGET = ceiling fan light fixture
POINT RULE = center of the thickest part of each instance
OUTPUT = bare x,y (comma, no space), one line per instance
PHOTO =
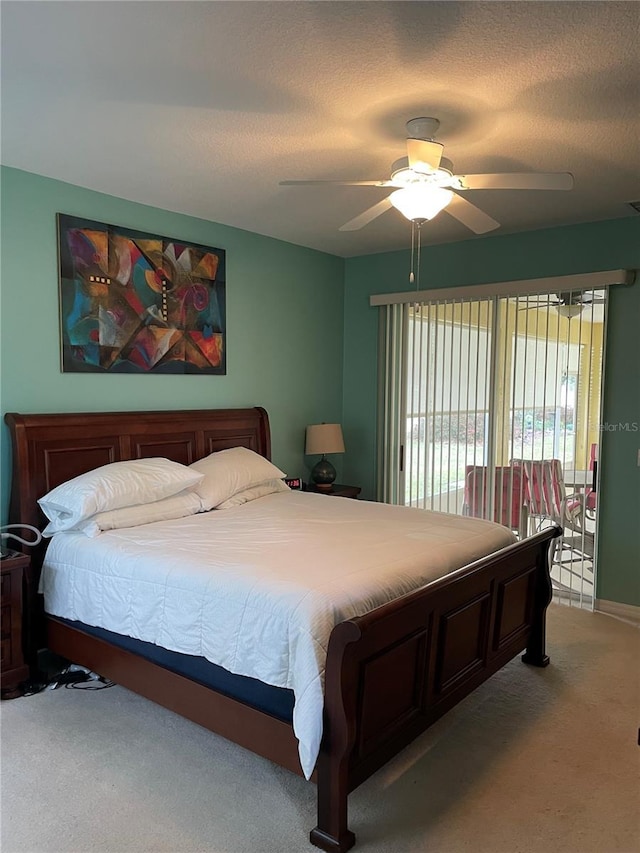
569,311
425,184
418,203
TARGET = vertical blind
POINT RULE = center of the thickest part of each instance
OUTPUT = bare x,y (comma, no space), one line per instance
474,391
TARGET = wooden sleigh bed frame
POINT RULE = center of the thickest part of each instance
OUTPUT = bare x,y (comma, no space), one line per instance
389,674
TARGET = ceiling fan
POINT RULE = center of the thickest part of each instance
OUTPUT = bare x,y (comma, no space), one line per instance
424,184
568,304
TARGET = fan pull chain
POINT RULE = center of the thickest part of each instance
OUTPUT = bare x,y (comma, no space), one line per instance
414,275
413,239
419,227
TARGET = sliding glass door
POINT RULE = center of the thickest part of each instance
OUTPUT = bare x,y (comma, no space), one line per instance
494,413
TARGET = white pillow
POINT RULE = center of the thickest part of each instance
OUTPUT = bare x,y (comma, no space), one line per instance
268,488
177,506
119,484
230,471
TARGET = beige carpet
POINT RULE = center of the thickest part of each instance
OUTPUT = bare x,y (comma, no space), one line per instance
536,761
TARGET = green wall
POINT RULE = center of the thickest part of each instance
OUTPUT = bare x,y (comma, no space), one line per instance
560,251
279,356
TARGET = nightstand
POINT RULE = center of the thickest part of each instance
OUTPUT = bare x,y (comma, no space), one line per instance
12,663
336,489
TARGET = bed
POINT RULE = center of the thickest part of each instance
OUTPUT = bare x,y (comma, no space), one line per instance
389,673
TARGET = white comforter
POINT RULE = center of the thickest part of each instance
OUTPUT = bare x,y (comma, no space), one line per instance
258,589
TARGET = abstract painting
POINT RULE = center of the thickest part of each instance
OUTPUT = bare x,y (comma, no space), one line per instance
138,303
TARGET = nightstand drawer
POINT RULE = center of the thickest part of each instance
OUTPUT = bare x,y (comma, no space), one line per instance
14,668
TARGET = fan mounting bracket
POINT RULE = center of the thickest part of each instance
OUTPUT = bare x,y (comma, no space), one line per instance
422,128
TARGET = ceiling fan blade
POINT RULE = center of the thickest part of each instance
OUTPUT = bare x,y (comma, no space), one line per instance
539,306
470,215
589,297
424,156
517,181
337,183
367,216
534,305
542,298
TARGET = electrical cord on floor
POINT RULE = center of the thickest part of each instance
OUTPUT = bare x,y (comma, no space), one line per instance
79,678
71,676
90,684
30,688
68,677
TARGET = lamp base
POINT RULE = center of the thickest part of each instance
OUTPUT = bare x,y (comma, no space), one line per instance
323,474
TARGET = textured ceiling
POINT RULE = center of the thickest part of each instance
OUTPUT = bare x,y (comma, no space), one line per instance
203,107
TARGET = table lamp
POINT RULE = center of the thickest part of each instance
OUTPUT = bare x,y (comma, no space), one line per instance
324,438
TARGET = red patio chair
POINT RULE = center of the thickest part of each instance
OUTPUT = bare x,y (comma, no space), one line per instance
546,498
509,506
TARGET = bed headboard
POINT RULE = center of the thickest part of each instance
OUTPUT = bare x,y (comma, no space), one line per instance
49,449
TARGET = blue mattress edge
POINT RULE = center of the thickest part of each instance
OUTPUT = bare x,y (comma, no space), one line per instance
276,701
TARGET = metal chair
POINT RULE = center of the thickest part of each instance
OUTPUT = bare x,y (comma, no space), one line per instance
547,499
509,506
590,493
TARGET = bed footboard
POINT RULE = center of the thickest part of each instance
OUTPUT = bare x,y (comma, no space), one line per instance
393,672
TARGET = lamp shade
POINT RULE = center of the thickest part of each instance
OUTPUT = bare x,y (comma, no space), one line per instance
420,202
324,438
